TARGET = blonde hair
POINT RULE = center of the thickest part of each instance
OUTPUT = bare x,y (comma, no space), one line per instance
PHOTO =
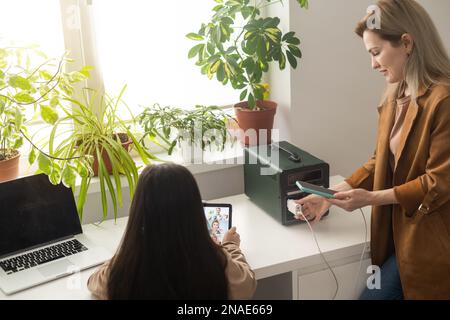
428,63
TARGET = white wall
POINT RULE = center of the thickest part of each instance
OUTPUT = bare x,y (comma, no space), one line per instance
333,94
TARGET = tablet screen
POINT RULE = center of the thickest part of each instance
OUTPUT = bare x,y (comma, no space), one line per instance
218,220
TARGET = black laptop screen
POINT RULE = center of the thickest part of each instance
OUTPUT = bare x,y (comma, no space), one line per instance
33,212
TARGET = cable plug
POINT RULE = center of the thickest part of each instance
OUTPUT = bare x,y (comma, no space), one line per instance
294,207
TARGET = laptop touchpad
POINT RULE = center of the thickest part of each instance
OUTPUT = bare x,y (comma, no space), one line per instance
59,267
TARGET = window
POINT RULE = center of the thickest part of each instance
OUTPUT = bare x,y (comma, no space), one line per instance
139,43
26,22
142,44
32,23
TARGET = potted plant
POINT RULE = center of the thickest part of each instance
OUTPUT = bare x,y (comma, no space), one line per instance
191,130
24,86
85,143
239,54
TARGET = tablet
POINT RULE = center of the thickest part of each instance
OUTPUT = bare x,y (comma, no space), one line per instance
218,219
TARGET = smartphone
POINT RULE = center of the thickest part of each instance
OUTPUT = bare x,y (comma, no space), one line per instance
313,189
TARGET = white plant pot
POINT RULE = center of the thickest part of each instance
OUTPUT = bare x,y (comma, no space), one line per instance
189,153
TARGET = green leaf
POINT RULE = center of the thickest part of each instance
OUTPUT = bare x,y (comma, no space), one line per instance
264,66
257,73
221,72
251,101
292,59
23,97
194,36
84,186
288,35
216,35
217,8
101,179
295,51
18,119
19,82
227,20
54,102
204,69
246,12
82,170
295,41
251,45
195,50
226,32
77,76
282,61
243,95
55,177
45,164
172,146
18,143
68,176
213,59
273,31
49,114
45,75
258,92
250,65
86,71
232,63
32,156
211,48
271,22
303,3
201,32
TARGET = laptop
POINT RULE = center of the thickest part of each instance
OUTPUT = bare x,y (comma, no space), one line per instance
40,234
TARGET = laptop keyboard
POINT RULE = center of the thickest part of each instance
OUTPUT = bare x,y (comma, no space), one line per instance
42,256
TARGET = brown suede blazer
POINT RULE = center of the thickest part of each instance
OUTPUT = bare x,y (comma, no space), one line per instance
418,229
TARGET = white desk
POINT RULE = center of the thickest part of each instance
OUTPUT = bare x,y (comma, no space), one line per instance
270,248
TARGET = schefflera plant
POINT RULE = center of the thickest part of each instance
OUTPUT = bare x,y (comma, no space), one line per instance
239,52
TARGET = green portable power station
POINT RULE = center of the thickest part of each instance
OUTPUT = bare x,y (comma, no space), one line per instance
270,173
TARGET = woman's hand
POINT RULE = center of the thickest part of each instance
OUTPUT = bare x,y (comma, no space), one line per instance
313,207
353,199
232,236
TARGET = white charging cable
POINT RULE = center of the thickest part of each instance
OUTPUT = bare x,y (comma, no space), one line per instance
322,255
296,209
362,254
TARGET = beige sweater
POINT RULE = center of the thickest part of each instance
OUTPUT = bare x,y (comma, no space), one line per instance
241,278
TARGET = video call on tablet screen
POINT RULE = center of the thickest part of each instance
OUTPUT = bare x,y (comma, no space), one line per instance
218,220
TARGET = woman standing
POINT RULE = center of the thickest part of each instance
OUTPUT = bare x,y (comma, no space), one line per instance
407,181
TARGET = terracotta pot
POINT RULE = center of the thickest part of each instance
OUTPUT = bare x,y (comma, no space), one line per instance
257,120
106,160
9,169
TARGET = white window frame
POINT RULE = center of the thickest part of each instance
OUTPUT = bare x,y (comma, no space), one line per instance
80,42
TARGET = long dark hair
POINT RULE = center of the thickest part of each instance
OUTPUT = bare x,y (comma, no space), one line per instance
167,252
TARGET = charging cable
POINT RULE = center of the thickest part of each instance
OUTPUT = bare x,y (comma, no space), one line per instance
296,209
362,254
322,255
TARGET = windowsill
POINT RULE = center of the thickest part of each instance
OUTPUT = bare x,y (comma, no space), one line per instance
213,161
232,156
